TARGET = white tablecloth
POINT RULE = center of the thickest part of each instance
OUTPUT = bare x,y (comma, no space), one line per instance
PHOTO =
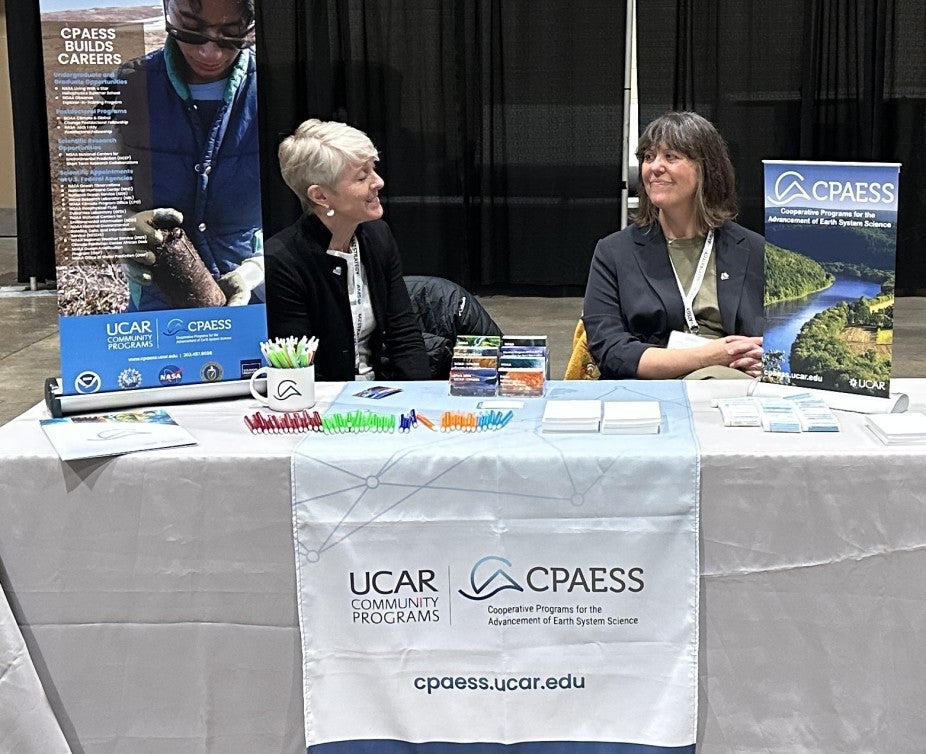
156,591
27,723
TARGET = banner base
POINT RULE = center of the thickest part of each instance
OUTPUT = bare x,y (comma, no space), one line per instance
60,405
895,403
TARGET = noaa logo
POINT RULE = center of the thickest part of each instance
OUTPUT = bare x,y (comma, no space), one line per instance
175,327
87,382
129,379
211,372
487,578
171,375
788,188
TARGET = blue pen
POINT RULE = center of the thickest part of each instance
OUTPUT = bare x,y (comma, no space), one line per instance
507,419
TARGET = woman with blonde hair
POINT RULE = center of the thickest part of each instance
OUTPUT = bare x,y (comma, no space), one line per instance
335,273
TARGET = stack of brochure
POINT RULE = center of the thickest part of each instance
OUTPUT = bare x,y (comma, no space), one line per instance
898,429
631,418
80,437
814,415
474,369
798,413
523,365
571,416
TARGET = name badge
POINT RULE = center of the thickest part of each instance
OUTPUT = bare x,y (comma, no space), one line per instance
678,339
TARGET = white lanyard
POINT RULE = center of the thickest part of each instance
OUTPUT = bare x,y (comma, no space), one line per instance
358,287
689,297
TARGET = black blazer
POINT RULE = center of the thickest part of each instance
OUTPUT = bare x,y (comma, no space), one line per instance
632,301
307,295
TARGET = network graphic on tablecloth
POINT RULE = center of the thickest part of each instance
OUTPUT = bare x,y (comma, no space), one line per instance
344,484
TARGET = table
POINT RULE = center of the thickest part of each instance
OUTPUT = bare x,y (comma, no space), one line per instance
27,722
156,591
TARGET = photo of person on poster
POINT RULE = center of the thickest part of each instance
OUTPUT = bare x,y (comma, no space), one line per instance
190,125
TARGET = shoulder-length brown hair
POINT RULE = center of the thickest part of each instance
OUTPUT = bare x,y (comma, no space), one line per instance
695,137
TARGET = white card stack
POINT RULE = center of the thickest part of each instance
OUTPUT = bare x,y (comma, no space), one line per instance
631,418
571,416
898,429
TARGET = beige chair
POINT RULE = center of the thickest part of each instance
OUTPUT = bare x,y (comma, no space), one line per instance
581,365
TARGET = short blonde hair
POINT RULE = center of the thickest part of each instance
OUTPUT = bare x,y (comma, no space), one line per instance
318,152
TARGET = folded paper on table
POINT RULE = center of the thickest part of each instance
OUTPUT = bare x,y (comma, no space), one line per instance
79,437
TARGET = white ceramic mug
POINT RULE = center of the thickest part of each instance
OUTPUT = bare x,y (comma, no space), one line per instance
287,389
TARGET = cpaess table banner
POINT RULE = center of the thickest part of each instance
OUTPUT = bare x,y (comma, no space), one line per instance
470,591
831,233
155,182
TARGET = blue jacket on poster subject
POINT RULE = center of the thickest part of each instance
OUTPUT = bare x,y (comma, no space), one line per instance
209,172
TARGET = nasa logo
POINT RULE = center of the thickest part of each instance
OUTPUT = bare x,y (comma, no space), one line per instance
171,375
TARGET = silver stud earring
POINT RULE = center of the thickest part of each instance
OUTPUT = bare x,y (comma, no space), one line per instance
330,212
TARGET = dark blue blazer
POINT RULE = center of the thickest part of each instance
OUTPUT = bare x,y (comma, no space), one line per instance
632,301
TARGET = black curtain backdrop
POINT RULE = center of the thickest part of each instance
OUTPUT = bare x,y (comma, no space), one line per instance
35,237
499,125
837,80
500,121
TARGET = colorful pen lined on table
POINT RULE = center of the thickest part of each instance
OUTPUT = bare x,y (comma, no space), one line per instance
468,421
353,422
288,422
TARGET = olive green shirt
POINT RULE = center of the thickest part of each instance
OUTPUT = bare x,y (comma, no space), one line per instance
684,254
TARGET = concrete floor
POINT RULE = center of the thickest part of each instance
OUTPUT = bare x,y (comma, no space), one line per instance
29,325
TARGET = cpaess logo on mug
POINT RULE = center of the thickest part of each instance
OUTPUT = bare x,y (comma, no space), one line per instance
284,389
287,389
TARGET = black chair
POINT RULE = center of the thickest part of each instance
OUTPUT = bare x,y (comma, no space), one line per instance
444,311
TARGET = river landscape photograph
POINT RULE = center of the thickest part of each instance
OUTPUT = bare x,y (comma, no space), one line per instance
829,270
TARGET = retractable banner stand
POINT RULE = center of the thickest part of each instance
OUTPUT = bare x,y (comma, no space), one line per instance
500,591
156,195
831,233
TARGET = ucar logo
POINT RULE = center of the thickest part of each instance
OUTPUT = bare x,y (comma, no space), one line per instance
487,578
175,327
141,327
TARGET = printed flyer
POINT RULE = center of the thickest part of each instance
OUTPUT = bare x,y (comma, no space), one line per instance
831,241
80,437
155,180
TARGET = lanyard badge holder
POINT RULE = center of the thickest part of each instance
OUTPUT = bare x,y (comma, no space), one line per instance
690,337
